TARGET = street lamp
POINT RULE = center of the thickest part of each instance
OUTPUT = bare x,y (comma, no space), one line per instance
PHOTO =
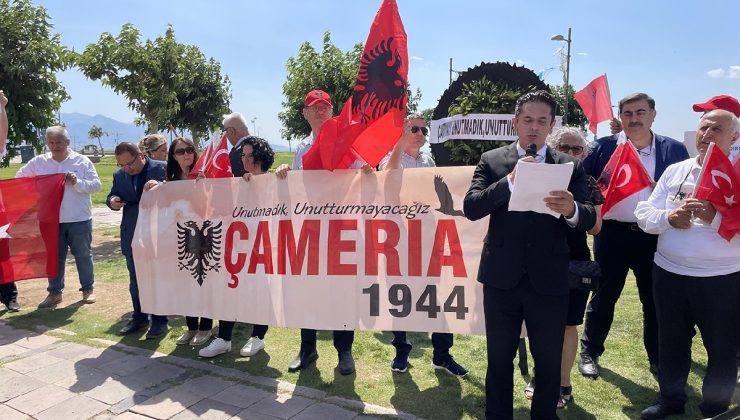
254,125
566,73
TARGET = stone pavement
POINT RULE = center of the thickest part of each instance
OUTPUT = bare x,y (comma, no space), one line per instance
103,216
46,377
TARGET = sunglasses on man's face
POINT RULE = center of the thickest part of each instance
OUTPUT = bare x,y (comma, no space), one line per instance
189,150
415,129
567,148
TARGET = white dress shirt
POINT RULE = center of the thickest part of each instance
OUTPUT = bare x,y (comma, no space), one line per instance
624,211
76,204
698,251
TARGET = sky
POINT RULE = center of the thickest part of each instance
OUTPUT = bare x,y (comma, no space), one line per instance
680,53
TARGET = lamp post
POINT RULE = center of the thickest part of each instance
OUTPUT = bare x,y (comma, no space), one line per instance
254,125
566,73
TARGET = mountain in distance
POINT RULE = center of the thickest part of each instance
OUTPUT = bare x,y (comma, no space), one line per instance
79,124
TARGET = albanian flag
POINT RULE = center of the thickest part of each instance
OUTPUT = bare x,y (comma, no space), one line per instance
371,120
214,162
29,226
595,102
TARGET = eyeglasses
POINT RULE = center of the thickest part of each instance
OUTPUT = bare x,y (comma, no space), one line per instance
189,150
567,148
121,165
415,129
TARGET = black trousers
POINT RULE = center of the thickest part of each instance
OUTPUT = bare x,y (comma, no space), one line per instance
342,340
441,342
544,315
198,324
8,292
618,248
711,303
226,330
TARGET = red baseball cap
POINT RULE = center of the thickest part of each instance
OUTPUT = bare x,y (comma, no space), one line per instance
316,96
726,102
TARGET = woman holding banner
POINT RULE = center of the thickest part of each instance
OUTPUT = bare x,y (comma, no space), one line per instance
181,157
570,140
257,158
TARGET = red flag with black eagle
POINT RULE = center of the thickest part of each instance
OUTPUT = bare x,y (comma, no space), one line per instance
595,102
719,184
371,120
29,226
214,162
623,176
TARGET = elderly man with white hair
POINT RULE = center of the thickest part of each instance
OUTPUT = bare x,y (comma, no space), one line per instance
75,215
235,129
696,277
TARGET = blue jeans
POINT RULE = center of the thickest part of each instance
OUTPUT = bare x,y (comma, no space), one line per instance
133,288
77,236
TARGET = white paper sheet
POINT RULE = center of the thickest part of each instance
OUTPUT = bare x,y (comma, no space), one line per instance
534,181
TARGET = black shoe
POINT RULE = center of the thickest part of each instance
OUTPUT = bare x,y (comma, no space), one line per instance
302,361
589,366
654,368
13,306
449,365
661,411
133,326
346,363
156,331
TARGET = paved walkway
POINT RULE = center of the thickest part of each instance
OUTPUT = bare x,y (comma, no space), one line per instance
46,377
103,216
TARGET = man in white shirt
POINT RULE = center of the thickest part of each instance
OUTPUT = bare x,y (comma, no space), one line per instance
75,215
405,155
696,278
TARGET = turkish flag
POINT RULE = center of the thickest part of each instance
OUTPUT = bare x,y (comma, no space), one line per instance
623,176
371,120
720,185
595,102
214,162
29,226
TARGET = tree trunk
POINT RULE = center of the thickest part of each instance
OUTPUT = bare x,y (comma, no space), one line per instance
102,152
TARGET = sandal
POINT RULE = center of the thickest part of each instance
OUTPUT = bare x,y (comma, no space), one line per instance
529,390
566,396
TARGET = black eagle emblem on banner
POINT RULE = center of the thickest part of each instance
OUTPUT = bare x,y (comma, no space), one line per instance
198,248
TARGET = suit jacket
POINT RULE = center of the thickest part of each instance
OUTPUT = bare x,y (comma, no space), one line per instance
123,188
523,243
667,152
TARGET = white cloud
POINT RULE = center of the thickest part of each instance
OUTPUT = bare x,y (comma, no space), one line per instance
582,53
732,72
416,58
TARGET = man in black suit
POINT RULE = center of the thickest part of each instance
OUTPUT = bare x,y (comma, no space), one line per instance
524,262
622,245
128,185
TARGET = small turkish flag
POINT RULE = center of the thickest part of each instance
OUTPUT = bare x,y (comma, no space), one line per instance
623,176
595,102
29,226
214,162
720,185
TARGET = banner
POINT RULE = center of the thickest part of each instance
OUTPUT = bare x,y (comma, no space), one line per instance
335,250
476,127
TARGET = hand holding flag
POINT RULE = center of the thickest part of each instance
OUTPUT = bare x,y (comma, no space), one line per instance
719,184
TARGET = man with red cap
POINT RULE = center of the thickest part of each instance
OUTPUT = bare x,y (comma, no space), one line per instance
317,109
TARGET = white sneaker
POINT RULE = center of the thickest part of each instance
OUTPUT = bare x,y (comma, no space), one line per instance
217,346
254,345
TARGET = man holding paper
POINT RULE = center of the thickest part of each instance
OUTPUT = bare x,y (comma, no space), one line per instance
524,262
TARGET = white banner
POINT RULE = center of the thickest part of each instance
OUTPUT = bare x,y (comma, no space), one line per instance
476,127
335,250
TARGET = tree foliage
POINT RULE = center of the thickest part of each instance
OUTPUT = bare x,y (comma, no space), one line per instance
30,56
96,132
331,70
164,81
576,118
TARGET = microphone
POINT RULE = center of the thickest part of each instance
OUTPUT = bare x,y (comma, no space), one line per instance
531,151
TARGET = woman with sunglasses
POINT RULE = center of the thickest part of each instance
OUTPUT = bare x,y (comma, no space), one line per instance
570,140
257,157
181,157
154,146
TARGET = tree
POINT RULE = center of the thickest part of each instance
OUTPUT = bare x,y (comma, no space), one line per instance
576,118
162,79
96,132
30,56
332,71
